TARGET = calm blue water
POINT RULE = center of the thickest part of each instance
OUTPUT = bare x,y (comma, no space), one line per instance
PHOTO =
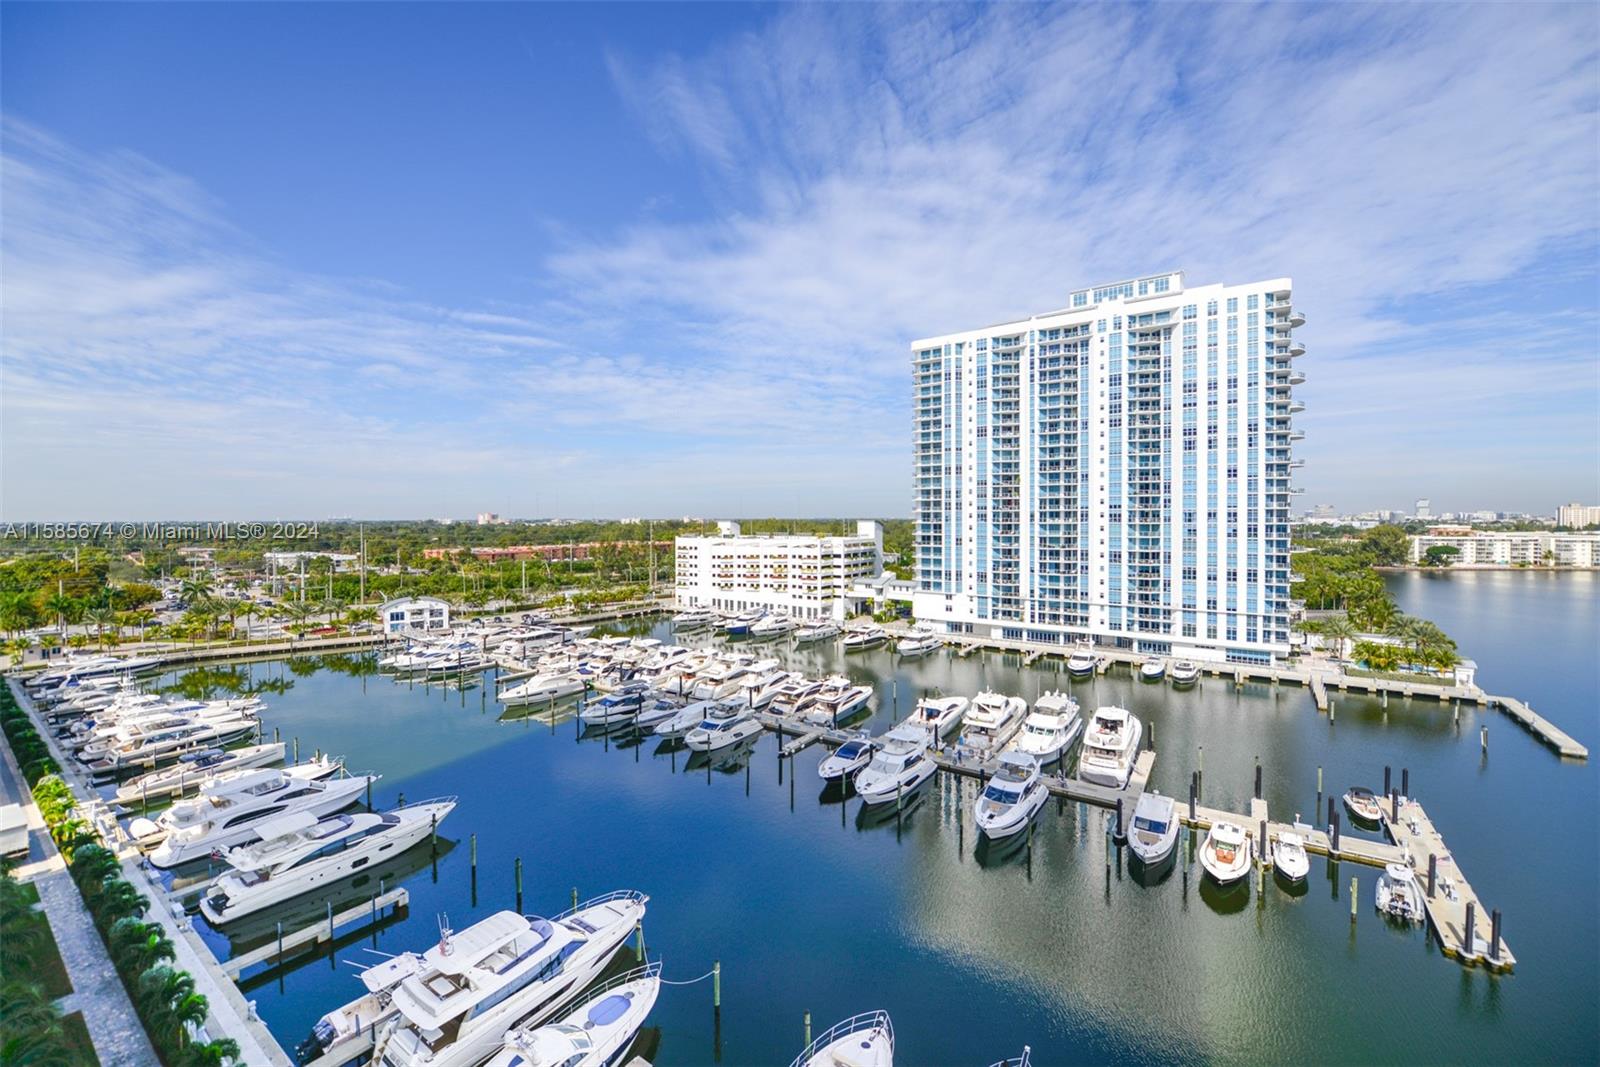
974,954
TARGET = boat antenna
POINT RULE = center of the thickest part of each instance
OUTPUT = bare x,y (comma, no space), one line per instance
444,934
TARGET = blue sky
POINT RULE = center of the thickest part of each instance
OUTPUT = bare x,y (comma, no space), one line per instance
417,260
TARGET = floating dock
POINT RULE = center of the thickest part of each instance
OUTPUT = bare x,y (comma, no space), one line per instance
379,907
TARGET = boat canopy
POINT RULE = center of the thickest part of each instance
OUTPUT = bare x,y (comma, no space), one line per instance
480,940
285,825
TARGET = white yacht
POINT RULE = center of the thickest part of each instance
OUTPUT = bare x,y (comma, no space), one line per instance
684,719
597,1033
195,769
938,716
817,630
297,854
227,812
837,701
865,1040
721,728
773,625
1397,893
740,624
864,637
513,971
1110,747
898,767
768,688
655,711
542,688
759,676
846,760
721,680
1227,852
1050,729
1289,859
794,695
918,643
1012,797
993,720
615,708
1083,662
694,619
1185,672
161,744
1155,828
1153,669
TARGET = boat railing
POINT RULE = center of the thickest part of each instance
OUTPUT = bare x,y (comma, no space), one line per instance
633,895
447,799
1023,1060
649,970
867,1020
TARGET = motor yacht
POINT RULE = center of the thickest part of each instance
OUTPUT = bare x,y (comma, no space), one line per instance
837,701
1227,852
228,811
1289,859
162,744
195,769
991,722
1012,798
1152,670
299,853
1155,828
865,637
938,716
720,729
773,625
865,1040
1110,747
846,760
740,624
759,676
899,766
615,708
1083,662
764,690
694,619
655,711
794,695
818,630
1050,729
542,688
684,719
1363,804
721,679
597,1033
1185,672
1397,893
918,643
514,971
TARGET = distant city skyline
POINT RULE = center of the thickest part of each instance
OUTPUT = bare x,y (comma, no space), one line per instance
586,261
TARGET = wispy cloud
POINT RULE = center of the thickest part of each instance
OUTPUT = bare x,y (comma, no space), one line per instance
1426,173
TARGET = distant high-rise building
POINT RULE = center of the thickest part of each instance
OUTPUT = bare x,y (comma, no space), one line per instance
1424,508
1323,511
1578,515
487,518
1115,471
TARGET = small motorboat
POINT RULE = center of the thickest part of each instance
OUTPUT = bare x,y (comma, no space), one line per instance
1155,828
938,715
1227,852
1398,895
899,766
846,760
1289,859
1012,798
1152,670
865,1040
720,729
594,1034
1363,804
1082,663
1184,673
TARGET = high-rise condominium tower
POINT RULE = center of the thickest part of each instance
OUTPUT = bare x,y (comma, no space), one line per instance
1115,471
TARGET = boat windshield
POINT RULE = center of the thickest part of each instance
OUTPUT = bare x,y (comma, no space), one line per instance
1151,825
851,749
999,795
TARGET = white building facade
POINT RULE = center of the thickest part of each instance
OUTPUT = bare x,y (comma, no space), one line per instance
1116,471
807,577
1495,548
415,614
1577,516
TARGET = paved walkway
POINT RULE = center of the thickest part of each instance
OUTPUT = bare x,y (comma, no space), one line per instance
114,1028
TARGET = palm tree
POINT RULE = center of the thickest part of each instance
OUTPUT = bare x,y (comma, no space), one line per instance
61,606
136,946
196,587
32,1034
212,1054
1341,632
16,648
18,612
91,864
247,611
101,617
117,900
142,618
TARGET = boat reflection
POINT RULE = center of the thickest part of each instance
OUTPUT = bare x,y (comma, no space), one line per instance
728,760
1224,899
874,816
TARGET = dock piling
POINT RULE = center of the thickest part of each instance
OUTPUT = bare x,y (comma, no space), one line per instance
1333,841
1194,786
716,985
1355,891
1494,935
1433,872
1319,779
474,862
1258,777
518,869
1405,781
1468,933
297,750
1483,739
574,898
808,1031
1120,834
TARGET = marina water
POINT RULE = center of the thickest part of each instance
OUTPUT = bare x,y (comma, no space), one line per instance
810,907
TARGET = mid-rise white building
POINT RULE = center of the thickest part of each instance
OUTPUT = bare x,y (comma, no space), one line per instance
1577,516
408,614
1115,471
805,576
1510,548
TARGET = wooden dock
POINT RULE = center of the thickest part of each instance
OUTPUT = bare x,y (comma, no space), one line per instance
1542,728
377,907
1465,928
